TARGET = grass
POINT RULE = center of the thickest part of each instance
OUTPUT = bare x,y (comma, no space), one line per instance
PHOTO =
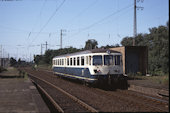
25,76
44,66
2,69
11,71
162,79
14,73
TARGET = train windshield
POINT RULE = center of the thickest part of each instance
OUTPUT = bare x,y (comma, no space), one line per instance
108,60
97,60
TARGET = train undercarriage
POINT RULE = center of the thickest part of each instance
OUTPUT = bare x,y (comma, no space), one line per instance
110,81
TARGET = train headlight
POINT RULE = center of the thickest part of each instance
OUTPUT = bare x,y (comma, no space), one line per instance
117,70
97,70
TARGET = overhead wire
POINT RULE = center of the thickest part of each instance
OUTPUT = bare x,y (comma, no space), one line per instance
79,14
39,15
105,18
83,11
22,30
49,19
11,28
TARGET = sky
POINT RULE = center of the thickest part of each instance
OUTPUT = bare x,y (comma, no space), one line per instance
25,25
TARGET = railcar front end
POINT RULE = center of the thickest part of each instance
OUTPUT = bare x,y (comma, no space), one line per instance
107,68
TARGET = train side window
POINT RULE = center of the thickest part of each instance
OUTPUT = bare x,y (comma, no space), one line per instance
71,61
82,60
67,61
78,61
74,61
55,62
58,61
62,62
87,60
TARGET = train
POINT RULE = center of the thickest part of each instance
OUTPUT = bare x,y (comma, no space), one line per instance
96,66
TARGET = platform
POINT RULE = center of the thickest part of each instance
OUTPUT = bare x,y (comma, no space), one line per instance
21,96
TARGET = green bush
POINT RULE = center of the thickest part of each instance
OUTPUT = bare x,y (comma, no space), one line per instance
2,69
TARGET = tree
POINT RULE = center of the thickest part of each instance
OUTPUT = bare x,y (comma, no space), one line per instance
91,44
127,41
159,49
49,54
38,59
110,46
13,62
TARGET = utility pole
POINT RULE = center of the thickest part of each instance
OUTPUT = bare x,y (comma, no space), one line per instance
41,49
1,56
1,51
46,45
61,38
61,34
30,57
134,27
135,20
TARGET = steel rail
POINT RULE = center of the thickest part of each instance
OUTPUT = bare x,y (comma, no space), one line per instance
124,98
91,109
146,96
49,97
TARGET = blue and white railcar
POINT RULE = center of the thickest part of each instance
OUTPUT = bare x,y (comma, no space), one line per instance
97,65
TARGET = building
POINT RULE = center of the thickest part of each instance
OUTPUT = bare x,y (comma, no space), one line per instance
4,62
134,58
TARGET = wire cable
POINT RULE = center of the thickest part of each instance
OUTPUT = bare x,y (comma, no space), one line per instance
39,15
84,10
49,20
94,24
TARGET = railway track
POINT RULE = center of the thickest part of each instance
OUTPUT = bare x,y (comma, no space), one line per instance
126,100
144,101
157,99
62,100
145,97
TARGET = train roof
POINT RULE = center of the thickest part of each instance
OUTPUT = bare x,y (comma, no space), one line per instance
100,50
